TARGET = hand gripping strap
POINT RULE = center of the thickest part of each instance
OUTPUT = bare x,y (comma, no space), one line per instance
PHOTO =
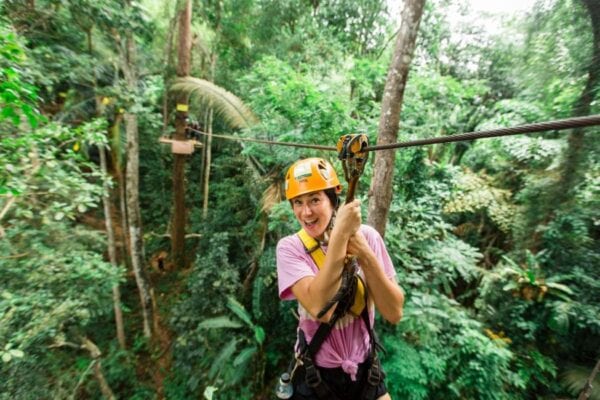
312,247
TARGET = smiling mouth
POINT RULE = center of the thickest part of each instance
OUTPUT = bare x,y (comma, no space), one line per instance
310,224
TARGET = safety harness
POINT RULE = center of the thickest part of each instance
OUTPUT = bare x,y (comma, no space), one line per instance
313,248
352,297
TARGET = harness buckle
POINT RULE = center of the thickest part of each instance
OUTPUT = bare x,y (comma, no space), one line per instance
312,249
374,374
312,375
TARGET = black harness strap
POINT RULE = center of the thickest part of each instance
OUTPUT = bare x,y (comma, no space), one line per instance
374,374
344,299
310,350
312,376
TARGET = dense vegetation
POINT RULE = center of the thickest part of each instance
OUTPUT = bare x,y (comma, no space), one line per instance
496,242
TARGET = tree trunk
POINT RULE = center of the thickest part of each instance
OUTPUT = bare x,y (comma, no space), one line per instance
132,191
167,68
112,252
96,354
183,69
380,193
209,125
207,161
571,170
135,223
117,165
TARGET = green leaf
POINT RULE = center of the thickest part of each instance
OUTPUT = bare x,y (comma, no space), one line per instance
209,392
6,357
239,310
222,358
245,355
560,287
259,334
230,107
218,323
17,353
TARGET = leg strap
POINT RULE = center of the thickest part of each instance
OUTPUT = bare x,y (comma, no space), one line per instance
314,381
374,378
312,376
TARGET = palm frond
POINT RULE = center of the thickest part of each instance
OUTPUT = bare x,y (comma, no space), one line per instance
270,197
575,378
227,105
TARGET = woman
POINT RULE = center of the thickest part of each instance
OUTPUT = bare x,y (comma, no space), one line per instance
346,362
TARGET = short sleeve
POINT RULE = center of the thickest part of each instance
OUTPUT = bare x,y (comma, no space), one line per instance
378,246
292,265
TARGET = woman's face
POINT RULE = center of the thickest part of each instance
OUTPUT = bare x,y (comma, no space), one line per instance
313,211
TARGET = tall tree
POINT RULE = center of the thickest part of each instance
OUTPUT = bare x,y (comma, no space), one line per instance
183,70
380,193
571,171
128,60
112,251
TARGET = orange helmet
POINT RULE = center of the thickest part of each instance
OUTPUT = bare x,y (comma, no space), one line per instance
310,175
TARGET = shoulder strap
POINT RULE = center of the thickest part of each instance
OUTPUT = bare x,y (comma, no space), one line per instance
312,247
318,255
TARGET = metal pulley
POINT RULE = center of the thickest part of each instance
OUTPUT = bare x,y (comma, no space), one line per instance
351,151
351,294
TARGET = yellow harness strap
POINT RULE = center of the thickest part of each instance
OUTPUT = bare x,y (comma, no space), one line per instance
318,256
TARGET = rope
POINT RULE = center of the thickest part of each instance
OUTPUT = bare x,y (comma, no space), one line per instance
561,124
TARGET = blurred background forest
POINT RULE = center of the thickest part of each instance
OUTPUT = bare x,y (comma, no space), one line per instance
114,286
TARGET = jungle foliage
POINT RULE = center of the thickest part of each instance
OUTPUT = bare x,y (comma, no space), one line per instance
497,251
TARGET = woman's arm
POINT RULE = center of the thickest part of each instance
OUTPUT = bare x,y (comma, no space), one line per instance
385,292
315,292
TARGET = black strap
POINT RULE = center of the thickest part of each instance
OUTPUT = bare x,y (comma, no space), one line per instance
312,376
345,299
347,290
344,304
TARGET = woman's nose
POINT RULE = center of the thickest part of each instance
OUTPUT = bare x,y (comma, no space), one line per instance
306,210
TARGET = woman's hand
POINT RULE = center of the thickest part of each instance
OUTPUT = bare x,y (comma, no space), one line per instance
359,247
348,219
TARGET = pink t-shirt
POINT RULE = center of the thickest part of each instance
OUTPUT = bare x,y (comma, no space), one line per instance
348,342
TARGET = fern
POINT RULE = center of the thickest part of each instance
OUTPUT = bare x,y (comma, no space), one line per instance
475,192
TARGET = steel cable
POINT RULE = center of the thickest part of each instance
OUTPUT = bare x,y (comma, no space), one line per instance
561,124
529,128
264,141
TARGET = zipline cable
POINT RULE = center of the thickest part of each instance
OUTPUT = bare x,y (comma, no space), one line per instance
264,141
561,124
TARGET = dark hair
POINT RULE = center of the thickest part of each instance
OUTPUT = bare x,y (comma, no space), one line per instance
333,197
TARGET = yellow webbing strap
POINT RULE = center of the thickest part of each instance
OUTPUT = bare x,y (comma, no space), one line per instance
318,257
